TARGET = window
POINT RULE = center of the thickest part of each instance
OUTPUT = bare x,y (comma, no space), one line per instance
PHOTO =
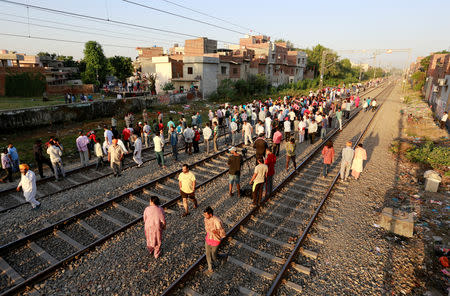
273,56
190,70
298,61
224,70
235,71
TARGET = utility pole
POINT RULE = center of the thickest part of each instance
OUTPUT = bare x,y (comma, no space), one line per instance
322,67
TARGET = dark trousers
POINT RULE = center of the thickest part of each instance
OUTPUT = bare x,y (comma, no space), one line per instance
99,162
175,152
269,185
312,137
195,144
40,162
8,176
257,193
188,148
276,149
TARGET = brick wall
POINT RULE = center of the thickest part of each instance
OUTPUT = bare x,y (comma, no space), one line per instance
74,89
199,46
148,52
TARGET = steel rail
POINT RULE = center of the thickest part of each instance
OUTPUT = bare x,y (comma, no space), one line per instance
191,269
78,170
62,223
278,280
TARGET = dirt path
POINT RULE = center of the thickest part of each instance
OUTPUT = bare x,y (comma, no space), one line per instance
358,258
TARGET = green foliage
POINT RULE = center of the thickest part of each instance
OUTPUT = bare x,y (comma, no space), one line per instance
436,156
168,86
121,67
229,89
418,80
25,84
96,63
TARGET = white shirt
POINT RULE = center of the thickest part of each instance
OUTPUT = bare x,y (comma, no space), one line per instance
312,128
233,126
28,183
287,126
122,145
268,122
260,129
98,150
188,135
444,117
146,129
158,142
247,128
292,115
207,132
55,153
108,136
301,125
105,147
137,146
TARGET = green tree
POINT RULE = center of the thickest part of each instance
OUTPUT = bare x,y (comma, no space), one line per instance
315,58
96,63
121,67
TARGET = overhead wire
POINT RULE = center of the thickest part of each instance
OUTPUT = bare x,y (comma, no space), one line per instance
181,16
83,16
208,15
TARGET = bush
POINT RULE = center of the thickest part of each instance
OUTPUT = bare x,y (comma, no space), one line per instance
168,86
436,156
25,84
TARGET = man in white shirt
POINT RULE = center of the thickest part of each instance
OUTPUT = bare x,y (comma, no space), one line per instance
108,135
158,142
287,130
146,133
312,130
55,158
443,120
207,132
188,138
247,130
137,157
268,127
28,185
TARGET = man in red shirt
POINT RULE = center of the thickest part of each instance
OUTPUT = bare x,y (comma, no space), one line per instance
126,134
277,137
270,161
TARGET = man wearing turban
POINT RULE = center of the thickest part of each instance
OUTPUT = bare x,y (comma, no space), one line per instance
28,185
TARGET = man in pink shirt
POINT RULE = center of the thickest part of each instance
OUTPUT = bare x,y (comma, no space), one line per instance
82,142
277,137
155,223
214,234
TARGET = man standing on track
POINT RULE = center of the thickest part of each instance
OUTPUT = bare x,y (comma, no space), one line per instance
155,223
260,146
270,161
346,162
258,179
28,186
234,164
137,154
277,136
247,130
82,142
173,138
215,135
40,159
158,144
214,234
186,181
55,157
207,132
115,156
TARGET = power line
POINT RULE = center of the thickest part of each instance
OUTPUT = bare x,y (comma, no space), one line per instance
85,27
78,31
101,19
62,40
208,15
182,16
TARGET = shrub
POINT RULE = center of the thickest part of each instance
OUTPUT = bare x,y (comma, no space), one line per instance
168,86
436,156
25,84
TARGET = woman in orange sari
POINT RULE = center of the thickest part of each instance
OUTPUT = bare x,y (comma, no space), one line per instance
358,159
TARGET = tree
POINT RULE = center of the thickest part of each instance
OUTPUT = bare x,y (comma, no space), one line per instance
96,63
315,58
121,67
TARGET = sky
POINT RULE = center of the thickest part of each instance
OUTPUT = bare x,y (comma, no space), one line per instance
340,25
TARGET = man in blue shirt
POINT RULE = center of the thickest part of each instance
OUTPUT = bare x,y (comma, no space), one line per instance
12,151
173,137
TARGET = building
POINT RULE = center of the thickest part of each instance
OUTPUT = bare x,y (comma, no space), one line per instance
201,65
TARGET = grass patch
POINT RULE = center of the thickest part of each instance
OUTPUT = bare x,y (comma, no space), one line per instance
436,156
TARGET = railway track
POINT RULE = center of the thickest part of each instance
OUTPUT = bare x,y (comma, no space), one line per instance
35,256
272,249
11,199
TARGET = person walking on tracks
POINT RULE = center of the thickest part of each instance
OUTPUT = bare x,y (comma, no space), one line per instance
328,157
173,138
115,156
6,165
12,151
28,185
260,146
290,153
158,144
358,160
215,135
154,224
98,153
55,157
207,132
346,162
258,179
137,154
270,161
214,234
234,172
186,181
312,130
40,159
189,135
247,131
82,142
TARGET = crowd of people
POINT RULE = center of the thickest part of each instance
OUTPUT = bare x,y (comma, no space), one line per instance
291,121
